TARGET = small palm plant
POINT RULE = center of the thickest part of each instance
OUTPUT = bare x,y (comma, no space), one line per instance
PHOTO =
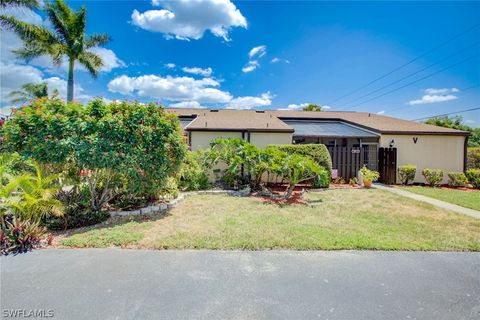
32,197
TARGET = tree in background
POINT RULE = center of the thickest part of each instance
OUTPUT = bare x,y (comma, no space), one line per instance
312,107
68,39
31,91
457,123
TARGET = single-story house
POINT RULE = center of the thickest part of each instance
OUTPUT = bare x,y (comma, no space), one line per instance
353,139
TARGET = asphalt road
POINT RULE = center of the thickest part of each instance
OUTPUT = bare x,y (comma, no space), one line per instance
137,284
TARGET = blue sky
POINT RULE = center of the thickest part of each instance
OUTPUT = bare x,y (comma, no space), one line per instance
197,54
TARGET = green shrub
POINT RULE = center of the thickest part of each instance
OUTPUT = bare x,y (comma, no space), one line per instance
473,176
192,176
170,189
432,176
457,179
295,168
322,180
317,152
473,158
77,212
406,173
118,146
369,175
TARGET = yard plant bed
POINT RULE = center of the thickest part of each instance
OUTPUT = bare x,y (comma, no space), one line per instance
340,219
468,198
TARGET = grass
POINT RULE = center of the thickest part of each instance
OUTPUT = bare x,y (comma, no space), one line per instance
340,219
467,199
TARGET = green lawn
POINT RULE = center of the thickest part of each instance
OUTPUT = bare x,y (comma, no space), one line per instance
340,219
467,199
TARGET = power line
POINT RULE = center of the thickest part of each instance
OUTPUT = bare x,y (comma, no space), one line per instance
446,114
416,72
409,62
415,81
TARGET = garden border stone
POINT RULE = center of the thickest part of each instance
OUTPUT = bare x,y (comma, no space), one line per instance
162,207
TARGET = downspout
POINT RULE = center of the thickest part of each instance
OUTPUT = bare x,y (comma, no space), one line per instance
465,151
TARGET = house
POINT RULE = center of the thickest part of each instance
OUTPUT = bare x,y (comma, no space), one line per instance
353,139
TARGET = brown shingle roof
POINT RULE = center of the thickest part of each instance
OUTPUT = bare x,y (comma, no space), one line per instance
233,120
270,120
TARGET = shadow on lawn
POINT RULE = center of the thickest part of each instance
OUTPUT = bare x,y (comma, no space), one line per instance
110,223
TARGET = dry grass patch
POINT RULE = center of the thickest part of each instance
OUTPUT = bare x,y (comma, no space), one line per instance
340,219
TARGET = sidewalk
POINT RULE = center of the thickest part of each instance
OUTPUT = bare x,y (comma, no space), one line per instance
435,202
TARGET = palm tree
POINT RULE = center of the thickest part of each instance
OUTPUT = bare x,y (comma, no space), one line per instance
32,197
67,39
31,4
31,91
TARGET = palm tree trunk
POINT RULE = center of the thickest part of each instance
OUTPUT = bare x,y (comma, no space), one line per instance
71,64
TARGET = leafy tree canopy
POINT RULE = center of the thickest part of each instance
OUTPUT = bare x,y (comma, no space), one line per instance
312,107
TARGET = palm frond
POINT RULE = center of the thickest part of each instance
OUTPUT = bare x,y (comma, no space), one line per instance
60,17
27,32
97,40
91,61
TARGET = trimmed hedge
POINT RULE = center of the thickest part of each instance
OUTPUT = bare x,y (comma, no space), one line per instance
473,158
317,152
473,176
457,179
432,176
406,173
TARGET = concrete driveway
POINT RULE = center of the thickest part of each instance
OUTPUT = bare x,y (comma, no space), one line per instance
137,284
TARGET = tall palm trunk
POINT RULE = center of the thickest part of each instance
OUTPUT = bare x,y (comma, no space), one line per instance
71,64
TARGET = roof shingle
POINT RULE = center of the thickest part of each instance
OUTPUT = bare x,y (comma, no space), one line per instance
270,120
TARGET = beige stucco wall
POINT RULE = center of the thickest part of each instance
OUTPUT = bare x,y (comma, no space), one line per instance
202,139
263,139
430,151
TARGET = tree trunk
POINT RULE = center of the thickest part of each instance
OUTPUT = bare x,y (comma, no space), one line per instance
71,64
289,191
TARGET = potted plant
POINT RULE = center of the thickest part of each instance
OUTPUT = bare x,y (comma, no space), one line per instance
368,176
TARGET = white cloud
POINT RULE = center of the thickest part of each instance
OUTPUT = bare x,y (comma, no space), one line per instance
250,102
381,112
110,59
433,91
259,52
296,106
277,60
186,104
170,65
171,88
433,95
207,72
300,106
13,76
250,66
186,20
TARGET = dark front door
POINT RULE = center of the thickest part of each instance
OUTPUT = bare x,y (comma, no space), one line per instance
387,165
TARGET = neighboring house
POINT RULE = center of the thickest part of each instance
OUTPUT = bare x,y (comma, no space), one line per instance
354,139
